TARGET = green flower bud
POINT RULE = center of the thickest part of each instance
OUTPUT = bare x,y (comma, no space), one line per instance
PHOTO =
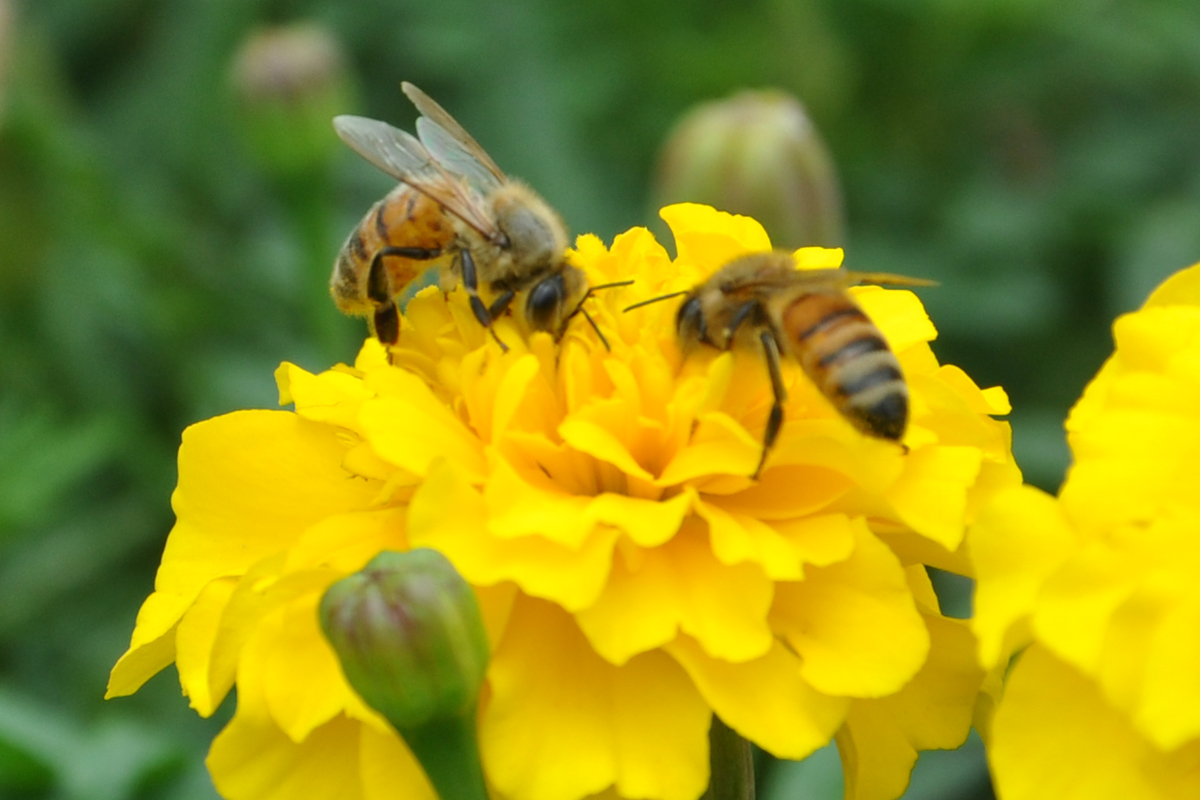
289,82
408,631
756,153
409,634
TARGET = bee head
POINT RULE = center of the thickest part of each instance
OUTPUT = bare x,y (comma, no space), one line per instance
544,306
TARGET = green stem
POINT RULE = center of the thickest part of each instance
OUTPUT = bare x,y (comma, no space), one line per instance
732,764
449,754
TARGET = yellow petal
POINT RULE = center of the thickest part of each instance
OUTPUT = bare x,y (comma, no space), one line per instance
152,647
254,760
1054,736
764,700
1169,713
711,238
737,538
599,442
681,586
882,737
332,396
411,427
562,723
388,768
197,634
931,496
346,542
533,505
571,577
1182,288
1019,540
1076,603
818,257
250,483
298,700
898,313
854,623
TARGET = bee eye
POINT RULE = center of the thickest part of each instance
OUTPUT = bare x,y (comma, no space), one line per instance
690,321
545,301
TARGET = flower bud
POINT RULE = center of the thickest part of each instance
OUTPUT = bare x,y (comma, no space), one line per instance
756,153
410,637
409,634
289,82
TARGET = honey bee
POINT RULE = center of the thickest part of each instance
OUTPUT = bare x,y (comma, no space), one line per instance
455,205
763,300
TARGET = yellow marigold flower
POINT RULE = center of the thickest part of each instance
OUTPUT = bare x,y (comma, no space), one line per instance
1103,583
633,579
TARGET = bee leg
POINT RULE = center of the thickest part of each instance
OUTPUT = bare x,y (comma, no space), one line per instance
385,324
775,420
741,315
471,283
500,304
414,253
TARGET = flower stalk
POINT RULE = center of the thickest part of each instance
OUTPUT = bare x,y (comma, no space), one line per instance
732,764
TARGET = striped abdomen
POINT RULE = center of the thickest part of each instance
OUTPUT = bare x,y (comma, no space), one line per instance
404,218
846,356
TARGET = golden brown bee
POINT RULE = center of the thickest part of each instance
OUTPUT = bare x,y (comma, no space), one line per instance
763,300
453,201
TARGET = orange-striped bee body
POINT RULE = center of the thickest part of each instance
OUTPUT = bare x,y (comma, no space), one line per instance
846,356
762,299
453,201
370,271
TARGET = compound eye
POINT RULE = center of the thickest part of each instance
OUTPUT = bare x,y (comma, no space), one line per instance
544,305
690,321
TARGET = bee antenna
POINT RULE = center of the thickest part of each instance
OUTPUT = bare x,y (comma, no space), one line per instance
655,300
596,328
588,294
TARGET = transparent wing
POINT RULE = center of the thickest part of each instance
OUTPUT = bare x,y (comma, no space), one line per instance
405,158
450,143
886,279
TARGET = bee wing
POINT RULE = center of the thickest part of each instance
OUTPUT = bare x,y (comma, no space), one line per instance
886,279
451,145
404,157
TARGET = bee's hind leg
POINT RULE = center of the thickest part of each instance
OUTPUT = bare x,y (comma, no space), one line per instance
775,419
385,325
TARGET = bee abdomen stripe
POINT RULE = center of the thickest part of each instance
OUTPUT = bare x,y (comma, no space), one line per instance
870,343
381,226
857,379
831,319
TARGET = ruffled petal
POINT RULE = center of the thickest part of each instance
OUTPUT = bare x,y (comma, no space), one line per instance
680,586
854,623
1055,737
563,723
711,238
1019,540
251,759
765,700
573,578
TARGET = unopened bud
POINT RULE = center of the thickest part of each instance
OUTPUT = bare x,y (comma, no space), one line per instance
408,631
290,81
756,153
410,637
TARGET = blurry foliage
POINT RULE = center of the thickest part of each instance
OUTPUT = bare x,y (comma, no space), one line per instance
156,262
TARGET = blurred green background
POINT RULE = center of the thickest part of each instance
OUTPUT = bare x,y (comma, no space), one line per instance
169,214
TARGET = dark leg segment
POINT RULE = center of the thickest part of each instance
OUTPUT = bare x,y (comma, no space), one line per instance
500,304
741,315
471,284
775,420
386,324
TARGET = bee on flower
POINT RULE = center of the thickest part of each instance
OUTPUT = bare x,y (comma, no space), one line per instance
634,579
